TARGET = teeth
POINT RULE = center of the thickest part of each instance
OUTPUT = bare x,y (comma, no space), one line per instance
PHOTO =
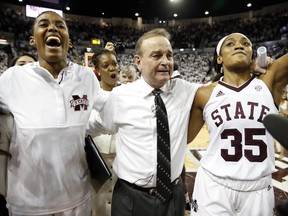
53,38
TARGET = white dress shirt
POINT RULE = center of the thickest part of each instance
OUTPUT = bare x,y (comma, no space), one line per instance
130,111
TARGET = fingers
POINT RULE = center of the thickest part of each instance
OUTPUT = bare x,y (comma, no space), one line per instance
269,61
110,46
258,69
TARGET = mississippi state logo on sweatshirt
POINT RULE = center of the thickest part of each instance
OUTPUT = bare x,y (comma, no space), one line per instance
79,103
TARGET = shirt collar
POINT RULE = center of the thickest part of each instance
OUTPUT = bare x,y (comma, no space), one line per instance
67,71
146,89
37,65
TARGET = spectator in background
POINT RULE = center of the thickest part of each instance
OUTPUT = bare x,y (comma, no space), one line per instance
283,107
128,73
176,72
106,68
52,102
283,110
22,59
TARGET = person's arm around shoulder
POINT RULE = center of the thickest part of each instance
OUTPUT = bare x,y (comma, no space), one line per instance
94,128
276,77
196,120
103,122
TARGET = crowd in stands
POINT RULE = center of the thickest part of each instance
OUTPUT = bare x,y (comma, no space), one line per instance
194,65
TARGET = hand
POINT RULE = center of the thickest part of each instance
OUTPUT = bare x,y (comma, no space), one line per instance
110,46
255,69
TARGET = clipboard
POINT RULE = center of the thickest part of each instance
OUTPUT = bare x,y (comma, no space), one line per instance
99,171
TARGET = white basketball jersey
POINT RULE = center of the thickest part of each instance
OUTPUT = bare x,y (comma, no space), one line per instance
240,147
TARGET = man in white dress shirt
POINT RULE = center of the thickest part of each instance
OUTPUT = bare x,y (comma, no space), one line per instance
130,112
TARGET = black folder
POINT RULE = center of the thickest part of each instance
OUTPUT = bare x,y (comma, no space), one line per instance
99,171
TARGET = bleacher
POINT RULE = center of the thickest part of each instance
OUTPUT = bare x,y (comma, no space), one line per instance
193,43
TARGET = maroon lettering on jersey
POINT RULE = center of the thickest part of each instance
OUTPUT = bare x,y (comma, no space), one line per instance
239,112
252,105
263,113
77,103
227,112
225,108
215,116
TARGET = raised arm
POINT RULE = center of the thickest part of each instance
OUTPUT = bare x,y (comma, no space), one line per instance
276,77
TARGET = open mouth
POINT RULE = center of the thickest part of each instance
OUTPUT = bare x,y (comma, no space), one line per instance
53,41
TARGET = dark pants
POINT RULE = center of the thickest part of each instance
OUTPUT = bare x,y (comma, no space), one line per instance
130,201
3,209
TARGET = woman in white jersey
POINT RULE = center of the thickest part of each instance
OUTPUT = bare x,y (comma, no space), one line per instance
234,177
51,101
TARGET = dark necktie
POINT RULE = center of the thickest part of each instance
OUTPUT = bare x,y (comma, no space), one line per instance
163,183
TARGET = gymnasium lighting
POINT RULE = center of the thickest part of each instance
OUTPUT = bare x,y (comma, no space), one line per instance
67,7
